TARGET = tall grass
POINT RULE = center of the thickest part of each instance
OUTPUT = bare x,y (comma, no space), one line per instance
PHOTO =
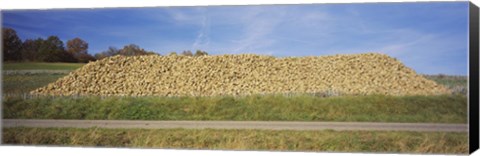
378,108
284,140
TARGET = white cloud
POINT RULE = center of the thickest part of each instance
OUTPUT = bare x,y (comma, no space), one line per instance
202,40
258,25
183,16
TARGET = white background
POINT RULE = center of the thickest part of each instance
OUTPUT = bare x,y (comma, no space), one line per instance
81,151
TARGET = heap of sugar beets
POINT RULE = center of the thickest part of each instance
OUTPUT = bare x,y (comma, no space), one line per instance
245,74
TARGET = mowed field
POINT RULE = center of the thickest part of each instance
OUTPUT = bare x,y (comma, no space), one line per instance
41,66
20,78
302,107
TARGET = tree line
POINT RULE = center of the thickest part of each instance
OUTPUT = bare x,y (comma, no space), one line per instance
52,49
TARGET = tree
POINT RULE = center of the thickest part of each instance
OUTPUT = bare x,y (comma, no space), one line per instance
52,50
172,53
30,49
128,50
200,53
187,53
85,58
77,45
99,56
11,44
132,50
110,52
78,48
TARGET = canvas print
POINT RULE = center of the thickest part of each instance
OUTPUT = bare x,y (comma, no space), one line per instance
359,77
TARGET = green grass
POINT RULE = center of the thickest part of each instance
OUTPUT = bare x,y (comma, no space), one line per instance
19,84
378,108
41,66
284,140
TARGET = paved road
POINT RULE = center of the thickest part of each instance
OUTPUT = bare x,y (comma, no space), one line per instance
271,125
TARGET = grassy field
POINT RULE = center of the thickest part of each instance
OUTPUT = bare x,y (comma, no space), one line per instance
41,66
439,109
21,84
327,140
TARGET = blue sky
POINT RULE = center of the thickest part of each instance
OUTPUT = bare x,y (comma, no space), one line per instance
431,38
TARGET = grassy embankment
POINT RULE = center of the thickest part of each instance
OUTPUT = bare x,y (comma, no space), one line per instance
439,109
327,140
